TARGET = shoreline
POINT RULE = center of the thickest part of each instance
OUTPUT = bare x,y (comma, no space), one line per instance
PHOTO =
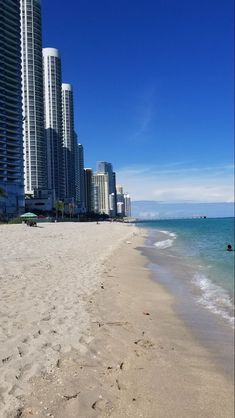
137,359
172,270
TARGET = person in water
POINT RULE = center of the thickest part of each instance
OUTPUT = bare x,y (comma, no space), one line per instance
229,247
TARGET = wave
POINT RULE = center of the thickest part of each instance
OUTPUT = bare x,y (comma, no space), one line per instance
171,234
166,243
214,298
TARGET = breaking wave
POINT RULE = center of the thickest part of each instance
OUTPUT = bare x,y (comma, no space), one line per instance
166,243
214,298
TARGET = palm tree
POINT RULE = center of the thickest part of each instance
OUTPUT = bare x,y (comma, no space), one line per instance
62,208
59,206
71,209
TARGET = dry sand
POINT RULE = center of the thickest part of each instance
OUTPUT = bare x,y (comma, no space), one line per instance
46,276
110,343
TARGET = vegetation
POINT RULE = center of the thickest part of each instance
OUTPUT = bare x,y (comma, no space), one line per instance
17,220
92,217
59,207
71,209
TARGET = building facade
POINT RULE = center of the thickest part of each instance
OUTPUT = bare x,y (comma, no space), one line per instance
127,200
107,168
35,164
68,141
119,189
88,189
79,172
100,185
53,121
120,201
11,141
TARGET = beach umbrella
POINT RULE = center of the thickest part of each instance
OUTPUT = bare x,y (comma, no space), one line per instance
28,215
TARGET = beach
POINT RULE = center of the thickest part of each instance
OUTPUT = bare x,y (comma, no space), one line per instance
87,332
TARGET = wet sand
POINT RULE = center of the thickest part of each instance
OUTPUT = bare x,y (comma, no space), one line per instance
136,358
175,271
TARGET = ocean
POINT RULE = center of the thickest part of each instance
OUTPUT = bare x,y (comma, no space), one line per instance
189,258
199,245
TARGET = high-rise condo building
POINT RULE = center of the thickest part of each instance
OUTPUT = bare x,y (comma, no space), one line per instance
127,200
120,201
11,141
120,209
107,168
79,170
119,189
112,205
53,120
35,167
88,189
101,193
68,140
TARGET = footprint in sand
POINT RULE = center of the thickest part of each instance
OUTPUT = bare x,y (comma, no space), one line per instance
144,343
46,318
6,359
144,347
20,351
37,334
102,405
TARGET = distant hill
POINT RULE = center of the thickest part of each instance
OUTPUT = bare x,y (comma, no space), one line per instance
147,209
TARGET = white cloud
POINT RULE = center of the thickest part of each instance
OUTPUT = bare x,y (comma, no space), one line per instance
195,184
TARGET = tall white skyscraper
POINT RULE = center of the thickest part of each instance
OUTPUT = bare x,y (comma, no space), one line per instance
127,200
101,193
11,141
32,88
107,168
68,140
120,201
119,189
53,120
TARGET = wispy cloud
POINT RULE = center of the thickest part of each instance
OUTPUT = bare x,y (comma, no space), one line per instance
145,114
178,184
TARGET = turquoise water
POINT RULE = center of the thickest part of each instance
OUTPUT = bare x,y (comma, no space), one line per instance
203,242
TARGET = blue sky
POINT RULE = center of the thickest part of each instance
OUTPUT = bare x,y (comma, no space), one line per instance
153,88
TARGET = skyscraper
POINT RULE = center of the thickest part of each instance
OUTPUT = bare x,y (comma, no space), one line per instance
88,189
120,201
119,189
11,141
68,140
127,200
107,168
32,82
100,183
53,120
80,176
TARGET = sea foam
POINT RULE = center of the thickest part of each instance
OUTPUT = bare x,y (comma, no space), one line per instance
166,243
214,298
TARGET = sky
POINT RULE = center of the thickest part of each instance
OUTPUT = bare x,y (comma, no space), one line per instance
153,91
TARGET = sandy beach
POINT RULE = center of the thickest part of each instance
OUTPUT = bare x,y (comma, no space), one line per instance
86,332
